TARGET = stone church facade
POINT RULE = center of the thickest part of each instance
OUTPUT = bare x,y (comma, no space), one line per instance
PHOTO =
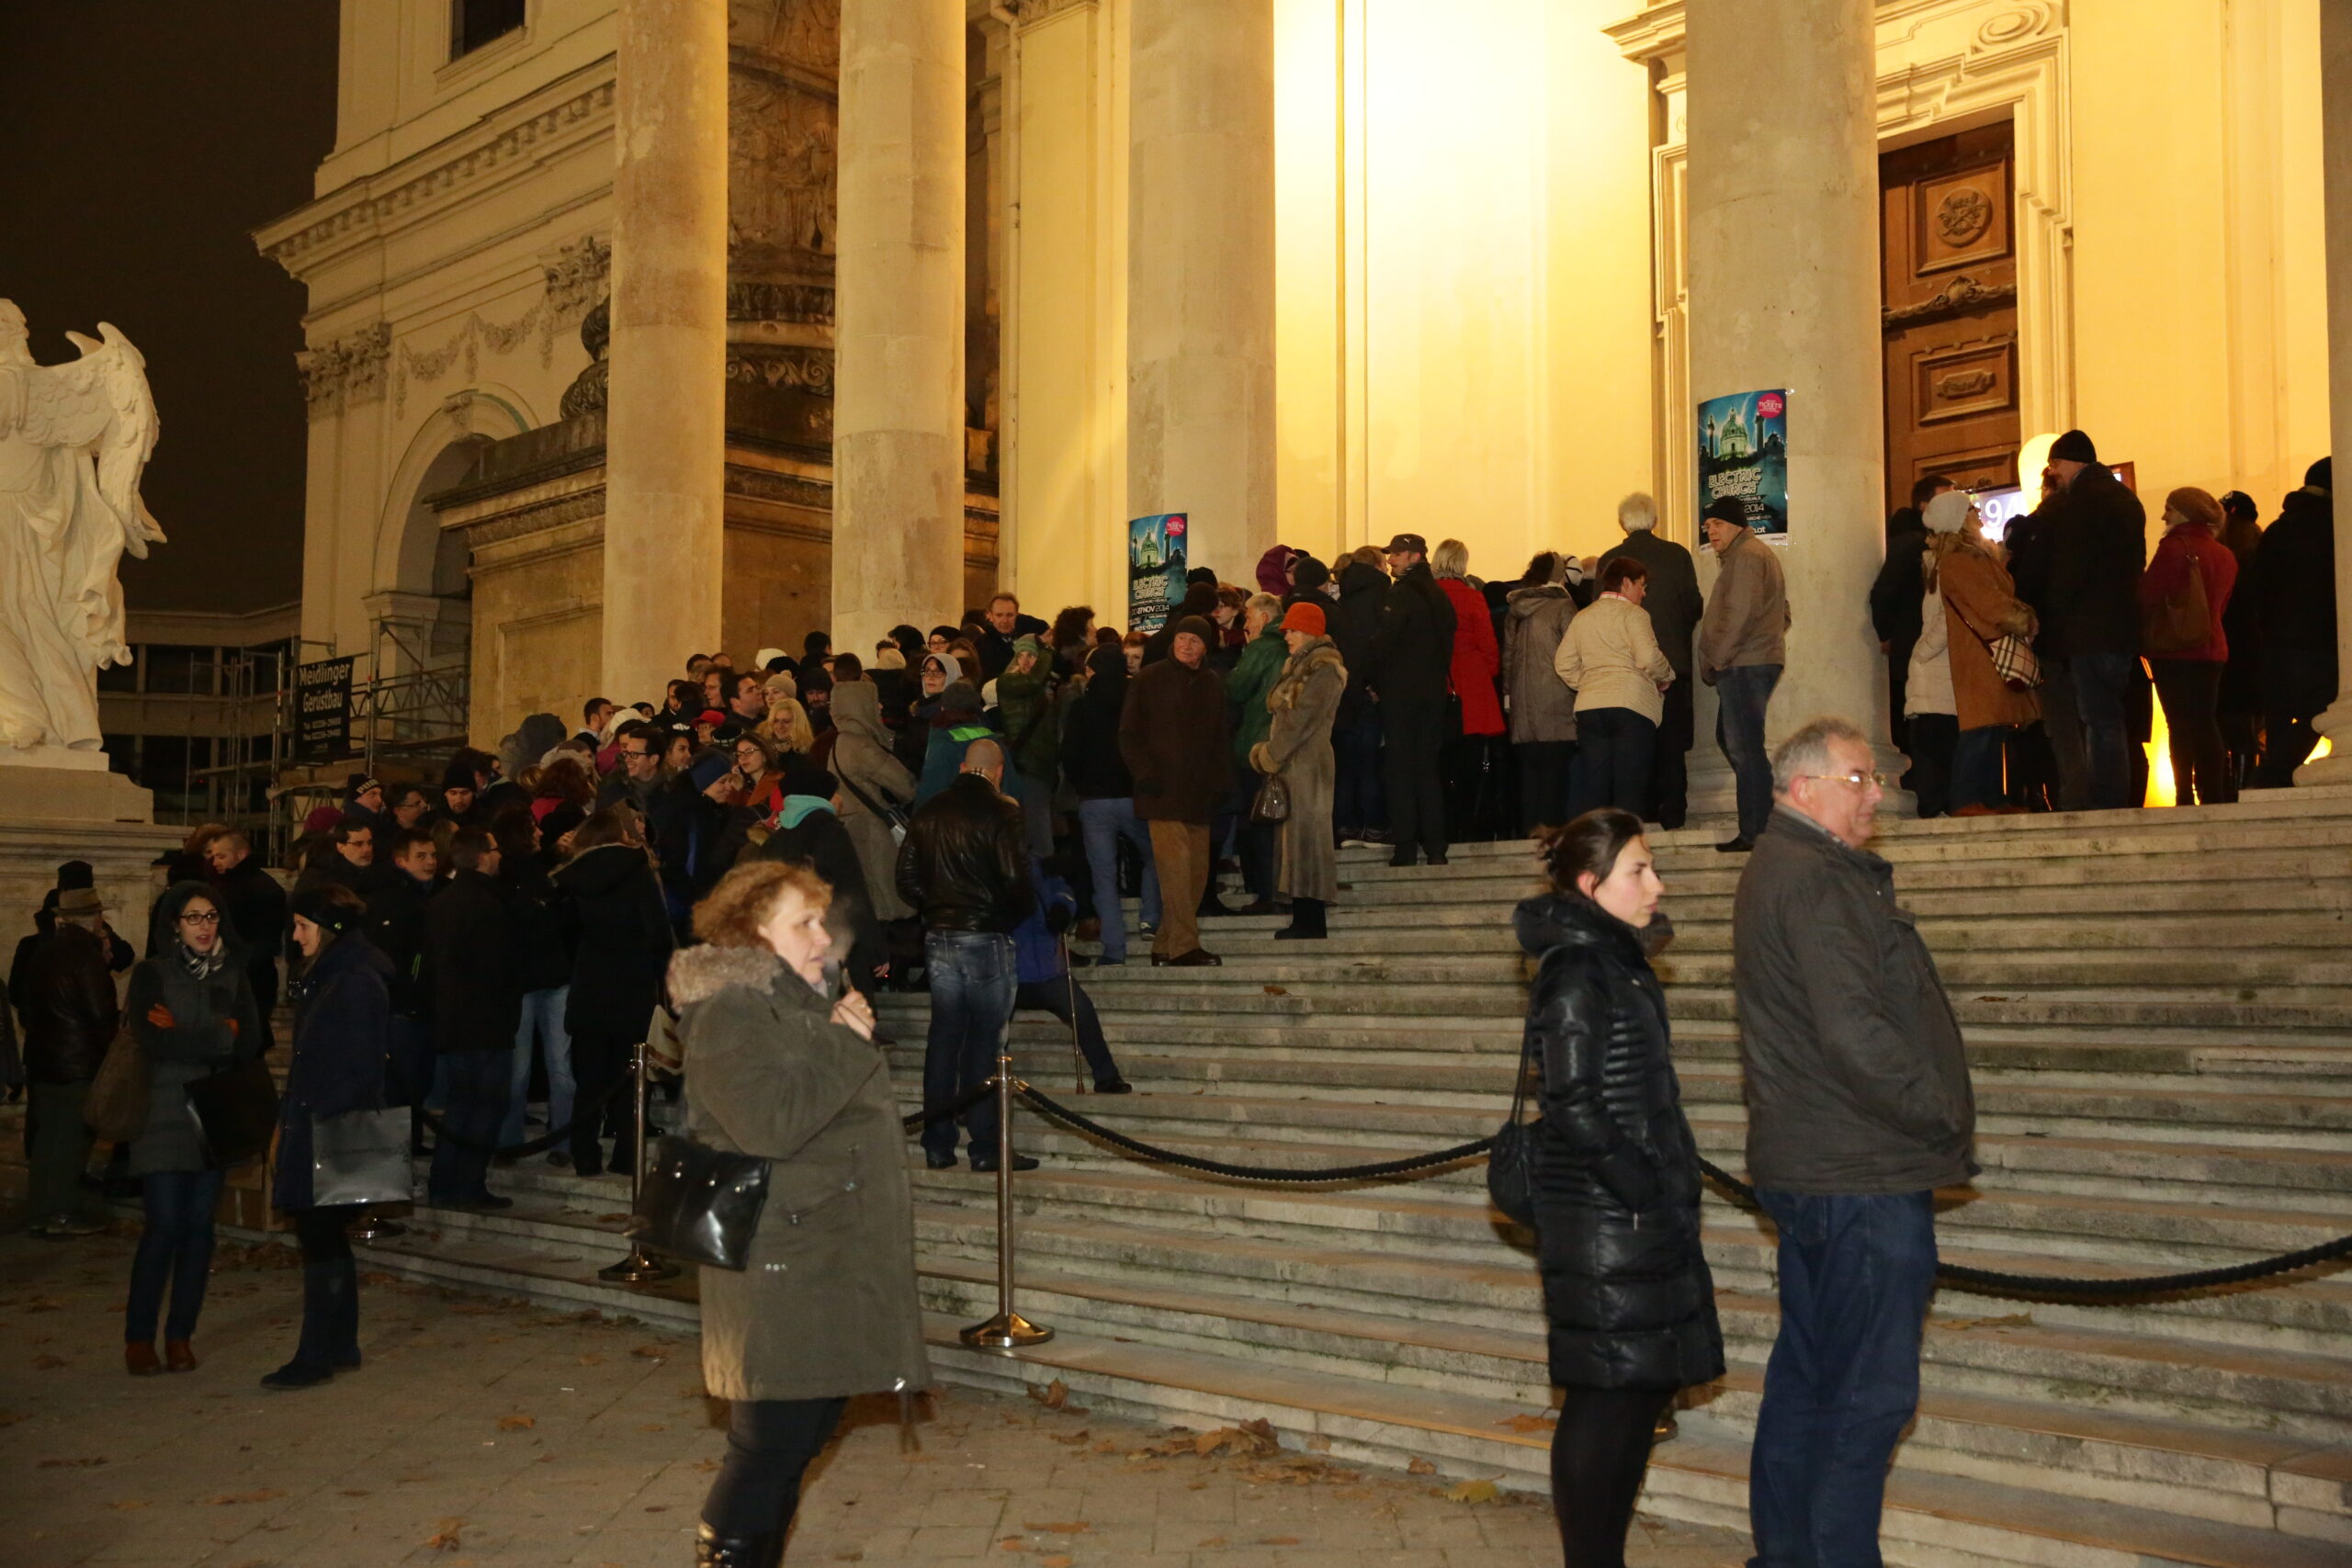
1307,270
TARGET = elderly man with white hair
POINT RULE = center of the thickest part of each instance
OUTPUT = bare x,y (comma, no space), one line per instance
1674,606
1859,1108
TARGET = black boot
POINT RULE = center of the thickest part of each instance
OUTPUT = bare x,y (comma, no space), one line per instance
324,1283
715,1551
342,1333
1306,921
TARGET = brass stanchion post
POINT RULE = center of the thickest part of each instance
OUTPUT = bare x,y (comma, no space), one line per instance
639,1268
1008,1330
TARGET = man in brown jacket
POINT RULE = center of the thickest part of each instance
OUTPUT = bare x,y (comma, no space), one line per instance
1174,737
1741,648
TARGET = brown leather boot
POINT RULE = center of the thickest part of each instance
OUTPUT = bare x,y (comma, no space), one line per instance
140,1360
178,1357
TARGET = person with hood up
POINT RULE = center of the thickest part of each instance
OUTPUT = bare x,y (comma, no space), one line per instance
2189,671
2294,590
1360,802
1412,656
688,824
875,786
808,831
1543,708
341,1011
1173,735
1301,708
787,1070
1106,808
933,673
1629,1303
191,1010
622,947
954,725
1962,708
1031,728
1273,571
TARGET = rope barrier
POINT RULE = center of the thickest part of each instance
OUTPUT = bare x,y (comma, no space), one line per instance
538,1145
953,1107
1373,1172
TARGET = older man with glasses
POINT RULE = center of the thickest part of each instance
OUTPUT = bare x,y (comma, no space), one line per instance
1859,1108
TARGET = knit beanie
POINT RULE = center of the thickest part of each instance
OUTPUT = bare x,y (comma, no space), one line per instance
324,909
961,696
2197,505
1304,617
1192,626
2320,476
1948,514
2073,448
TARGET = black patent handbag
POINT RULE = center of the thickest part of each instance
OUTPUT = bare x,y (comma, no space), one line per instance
1511,1165
700,1204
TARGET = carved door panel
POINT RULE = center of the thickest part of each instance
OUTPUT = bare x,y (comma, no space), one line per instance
1951,316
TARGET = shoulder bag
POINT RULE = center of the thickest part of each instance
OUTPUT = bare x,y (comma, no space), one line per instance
361,1156
1510,1167
895,816
1273,801
700,1204
236,1111
2182,621
121,1095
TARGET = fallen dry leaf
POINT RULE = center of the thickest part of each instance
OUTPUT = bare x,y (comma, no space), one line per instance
705,1465
1196,1486
1052,1396
1277,990
590,1358
1526,1424
1058,1560
1107,1446
652,1352
1471,1492
517,1423
266,1494
1420,1467
1012,1544
445,1538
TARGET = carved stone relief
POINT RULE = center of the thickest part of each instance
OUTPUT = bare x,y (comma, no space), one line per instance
345,370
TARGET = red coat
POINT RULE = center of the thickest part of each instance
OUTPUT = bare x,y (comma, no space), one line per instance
1475,658
2168,573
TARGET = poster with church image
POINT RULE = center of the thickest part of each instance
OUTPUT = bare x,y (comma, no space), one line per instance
1744,453
1154,569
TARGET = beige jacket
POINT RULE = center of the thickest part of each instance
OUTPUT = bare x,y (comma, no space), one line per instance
1747,621
1611,657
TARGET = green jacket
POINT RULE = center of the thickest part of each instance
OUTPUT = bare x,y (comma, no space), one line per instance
1031,722
827,1306
1245,688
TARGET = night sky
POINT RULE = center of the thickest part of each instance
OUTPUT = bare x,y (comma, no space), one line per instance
140,141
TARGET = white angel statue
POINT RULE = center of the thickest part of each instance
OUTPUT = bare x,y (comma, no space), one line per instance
73,439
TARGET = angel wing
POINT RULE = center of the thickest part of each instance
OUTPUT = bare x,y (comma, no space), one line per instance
100,402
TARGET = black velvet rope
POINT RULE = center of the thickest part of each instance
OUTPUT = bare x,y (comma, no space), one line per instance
538,1145
953,1107
1373,1172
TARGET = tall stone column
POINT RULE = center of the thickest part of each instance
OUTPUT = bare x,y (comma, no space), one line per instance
2335,150
1784,293
665,411
1201,273
899,321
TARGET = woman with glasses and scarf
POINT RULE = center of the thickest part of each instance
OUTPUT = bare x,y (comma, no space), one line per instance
191,1010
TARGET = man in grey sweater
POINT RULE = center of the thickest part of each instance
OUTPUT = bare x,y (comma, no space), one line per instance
1859,1108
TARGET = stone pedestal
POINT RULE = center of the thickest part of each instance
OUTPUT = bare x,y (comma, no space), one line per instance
899,321
665,403
1784,293
1201,274
2336,137
65,805
53,785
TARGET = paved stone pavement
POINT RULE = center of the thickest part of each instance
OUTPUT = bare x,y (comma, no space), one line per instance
497,1433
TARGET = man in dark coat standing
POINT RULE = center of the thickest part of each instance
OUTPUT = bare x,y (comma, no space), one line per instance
2293,585
2099,546
1895,596
65,1001
475,972
1859,1108
1675,606
1360,803
395,923
1412,659
1173,735
255,904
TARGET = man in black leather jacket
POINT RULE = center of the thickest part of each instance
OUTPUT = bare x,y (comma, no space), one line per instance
1412,654
965,868
65,1001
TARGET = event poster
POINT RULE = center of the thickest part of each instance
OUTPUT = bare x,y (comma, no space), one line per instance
1154,569
1744,453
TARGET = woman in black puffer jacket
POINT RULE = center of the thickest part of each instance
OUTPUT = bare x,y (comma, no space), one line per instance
1627,1297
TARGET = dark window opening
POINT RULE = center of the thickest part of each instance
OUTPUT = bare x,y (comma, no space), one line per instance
473,23
180,670
119,677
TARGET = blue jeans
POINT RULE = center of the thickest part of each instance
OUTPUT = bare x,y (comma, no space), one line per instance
1102,824
2101,681
1977,767
1741,696
542,1016
973,979
176,1246
1856,1276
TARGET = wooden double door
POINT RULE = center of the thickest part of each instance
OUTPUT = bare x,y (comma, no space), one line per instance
1950,311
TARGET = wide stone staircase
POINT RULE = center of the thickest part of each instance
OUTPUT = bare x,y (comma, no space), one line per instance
2159,1007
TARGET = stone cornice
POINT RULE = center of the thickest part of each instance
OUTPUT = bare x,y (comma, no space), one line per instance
560,115
1657,30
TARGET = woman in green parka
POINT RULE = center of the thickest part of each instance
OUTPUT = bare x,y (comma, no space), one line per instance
781,1067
